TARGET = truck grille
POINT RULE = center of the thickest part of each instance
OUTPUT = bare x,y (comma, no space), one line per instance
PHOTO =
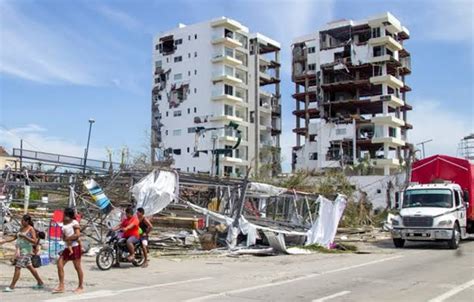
418,221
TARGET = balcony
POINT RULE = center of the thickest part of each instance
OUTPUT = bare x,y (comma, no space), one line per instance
228,139
227,41
224,59
386,79
227,99
228,23
387,120
383,162
387,41
384,58
391,141
226,118
220,76
391,100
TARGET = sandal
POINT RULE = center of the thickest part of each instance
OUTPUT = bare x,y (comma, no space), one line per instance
38,286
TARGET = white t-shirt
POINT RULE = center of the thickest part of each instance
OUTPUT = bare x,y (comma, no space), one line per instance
68,230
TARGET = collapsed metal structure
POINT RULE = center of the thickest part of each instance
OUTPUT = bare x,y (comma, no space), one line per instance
260,204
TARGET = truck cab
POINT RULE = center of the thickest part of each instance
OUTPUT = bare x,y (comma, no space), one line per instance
431,212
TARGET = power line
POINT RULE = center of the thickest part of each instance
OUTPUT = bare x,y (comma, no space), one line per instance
6,128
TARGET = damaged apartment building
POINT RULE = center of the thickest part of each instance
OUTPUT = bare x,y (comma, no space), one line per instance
207,76
351,95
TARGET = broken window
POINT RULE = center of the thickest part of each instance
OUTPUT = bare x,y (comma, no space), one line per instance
313,156
177,151
228,33
178,93
227,170
252,116
334,151
229,90
167,46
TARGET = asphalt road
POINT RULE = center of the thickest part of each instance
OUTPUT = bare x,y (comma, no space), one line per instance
420,272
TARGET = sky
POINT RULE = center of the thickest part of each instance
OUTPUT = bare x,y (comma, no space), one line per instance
63,62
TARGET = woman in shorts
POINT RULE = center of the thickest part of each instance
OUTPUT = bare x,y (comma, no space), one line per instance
25,240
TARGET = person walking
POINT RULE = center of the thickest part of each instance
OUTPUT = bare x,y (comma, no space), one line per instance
71,235
25,240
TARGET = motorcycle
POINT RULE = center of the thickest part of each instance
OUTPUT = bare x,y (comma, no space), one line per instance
115,251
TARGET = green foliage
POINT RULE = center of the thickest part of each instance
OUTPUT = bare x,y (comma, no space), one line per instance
333,183
296,181
340,248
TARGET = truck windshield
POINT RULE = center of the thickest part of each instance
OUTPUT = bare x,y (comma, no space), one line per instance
437,198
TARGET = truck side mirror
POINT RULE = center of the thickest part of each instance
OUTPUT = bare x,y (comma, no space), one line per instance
466,196
397,200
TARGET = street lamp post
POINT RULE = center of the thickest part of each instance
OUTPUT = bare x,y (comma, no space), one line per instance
91,121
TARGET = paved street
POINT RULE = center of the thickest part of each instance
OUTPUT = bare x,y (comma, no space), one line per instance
420,272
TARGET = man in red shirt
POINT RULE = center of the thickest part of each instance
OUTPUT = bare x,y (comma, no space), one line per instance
130,228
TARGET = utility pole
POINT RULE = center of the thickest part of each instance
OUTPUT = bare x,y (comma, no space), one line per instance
91,121
423,146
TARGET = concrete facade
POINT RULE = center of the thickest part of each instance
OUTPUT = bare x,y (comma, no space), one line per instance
350,94
208,75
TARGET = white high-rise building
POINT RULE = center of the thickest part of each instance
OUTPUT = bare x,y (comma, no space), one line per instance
350,94
207,78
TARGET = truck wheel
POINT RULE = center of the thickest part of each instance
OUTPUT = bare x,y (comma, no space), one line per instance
453,243
398,242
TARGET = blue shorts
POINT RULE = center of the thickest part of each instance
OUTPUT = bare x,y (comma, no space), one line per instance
132,240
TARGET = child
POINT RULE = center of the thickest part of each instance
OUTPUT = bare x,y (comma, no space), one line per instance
68,230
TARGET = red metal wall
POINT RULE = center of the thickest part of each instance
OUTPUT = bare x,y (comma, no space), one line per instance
445,167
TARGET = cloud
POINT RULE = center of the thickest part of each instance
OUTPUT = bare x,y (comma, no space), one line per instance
36,138
445,127
119,17
446,21
37,53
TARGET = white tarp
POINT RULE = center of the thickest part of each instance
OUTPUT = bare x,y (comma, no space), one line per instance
264,190
324,228
155,191
245,227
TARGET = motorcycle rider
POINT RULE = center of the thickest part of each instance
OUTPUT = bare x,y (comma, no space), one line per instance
130,228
